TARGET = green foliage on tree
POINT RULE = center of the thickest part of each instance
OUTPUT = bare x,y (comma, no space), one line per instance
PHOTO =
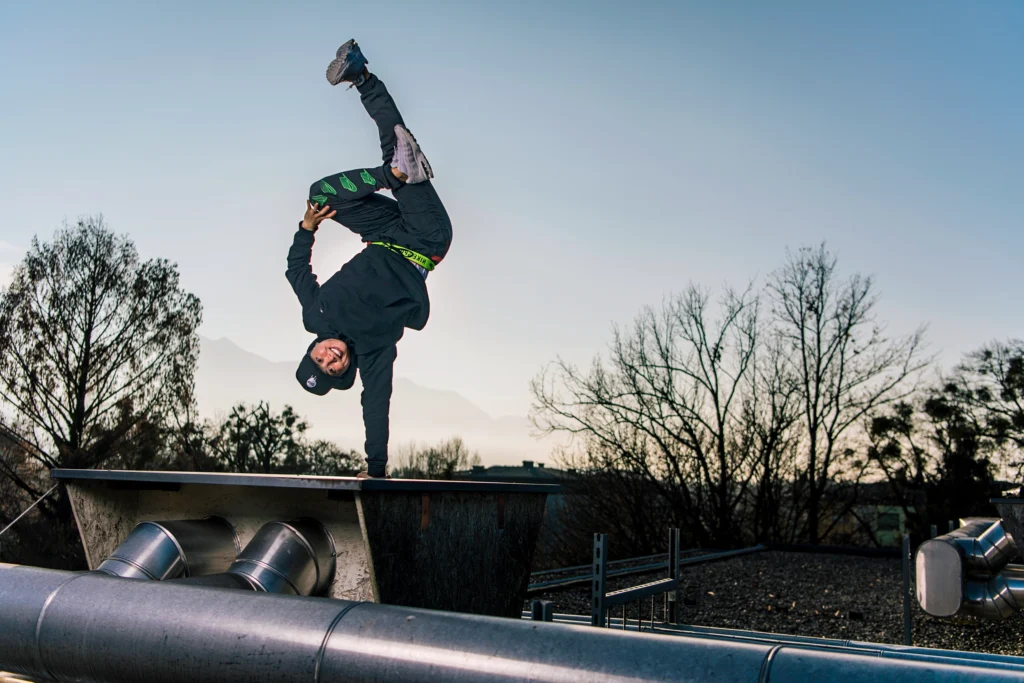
956,438
255,439
990,383
258,440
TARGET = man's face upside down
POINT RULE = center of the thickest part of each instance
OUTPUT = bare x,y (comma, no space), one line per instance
331,356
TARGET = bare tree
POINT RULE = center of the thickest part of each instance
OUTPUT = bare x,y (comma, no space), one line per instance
601,497
845,365
189,440
668,406
771,410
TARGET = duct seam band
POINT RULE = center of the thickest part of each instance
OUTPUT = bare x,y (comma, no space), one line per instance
39,623
327,637
766,666
130,563
174,540
265,565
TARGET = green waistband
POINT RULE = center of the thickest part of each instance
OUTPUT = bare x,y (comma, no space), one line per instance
417,258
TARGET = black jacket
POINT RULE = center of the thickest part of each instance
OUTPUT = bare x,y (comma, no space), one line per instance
368,304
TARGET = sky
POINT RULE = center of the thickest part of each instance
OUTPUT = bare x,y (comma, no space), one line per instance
595,157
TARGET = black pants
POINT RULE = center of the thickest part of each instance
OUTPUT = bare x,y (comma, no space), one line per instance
415,218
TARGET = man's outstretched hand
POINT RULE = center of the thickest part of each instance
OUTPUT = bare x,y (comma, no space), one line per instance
315,216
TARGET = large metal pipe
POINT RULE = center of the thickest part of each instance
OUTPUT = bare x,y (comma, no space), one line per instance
222,580
95,628
169,549
905,653
875,649
878,649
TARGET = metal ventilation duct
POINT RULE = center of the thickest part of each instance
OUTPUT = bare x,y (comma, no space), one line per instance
967,571
167,550
296,558
999,598
986,545
92,628
940,577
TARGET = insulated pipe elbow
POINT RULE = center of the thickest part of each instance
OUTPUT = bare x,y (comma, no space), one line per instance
989,551
171,549
960,572
994,599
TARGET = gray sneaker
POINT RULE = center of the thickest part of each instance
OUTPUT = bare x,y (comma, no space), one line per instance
348,64
409,158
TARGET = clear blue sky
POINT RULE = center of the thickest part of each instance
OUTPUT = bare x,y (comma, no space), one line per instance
594,156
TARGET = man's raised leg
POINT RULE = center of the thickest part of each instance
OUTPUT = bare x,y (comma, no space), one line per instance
425,225
418,212
382,109
349,66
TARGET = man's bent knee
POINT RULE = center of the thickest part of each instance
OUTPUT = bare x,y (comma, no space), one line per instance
323,192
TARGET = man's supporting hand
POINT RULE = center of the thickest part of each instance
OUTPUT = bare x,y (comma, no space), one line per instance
315,216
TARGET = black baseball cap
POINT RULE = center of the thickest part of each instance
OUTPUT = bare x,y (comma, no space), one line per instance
316,381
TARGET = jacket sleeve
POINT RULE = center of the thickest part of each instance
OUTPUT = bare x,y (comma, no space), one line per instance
300,274
376,370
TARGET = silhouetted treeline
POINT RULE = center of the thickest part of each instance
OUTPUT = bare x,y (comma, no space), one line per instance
440,461
97,360
769,413
762,415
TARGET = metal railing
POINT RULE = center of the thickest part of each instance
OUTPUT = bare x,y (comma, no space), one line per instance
560,584
603,601
581,567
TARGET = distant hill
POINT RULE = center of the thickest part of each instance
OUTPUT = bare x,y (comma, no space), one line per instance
228,374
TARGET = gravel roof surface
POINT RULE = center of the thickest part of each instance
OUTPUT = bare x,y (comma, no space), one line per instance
821,595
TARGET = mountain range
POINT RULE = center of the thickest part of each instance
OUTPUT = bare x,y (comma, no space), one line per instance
228,374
